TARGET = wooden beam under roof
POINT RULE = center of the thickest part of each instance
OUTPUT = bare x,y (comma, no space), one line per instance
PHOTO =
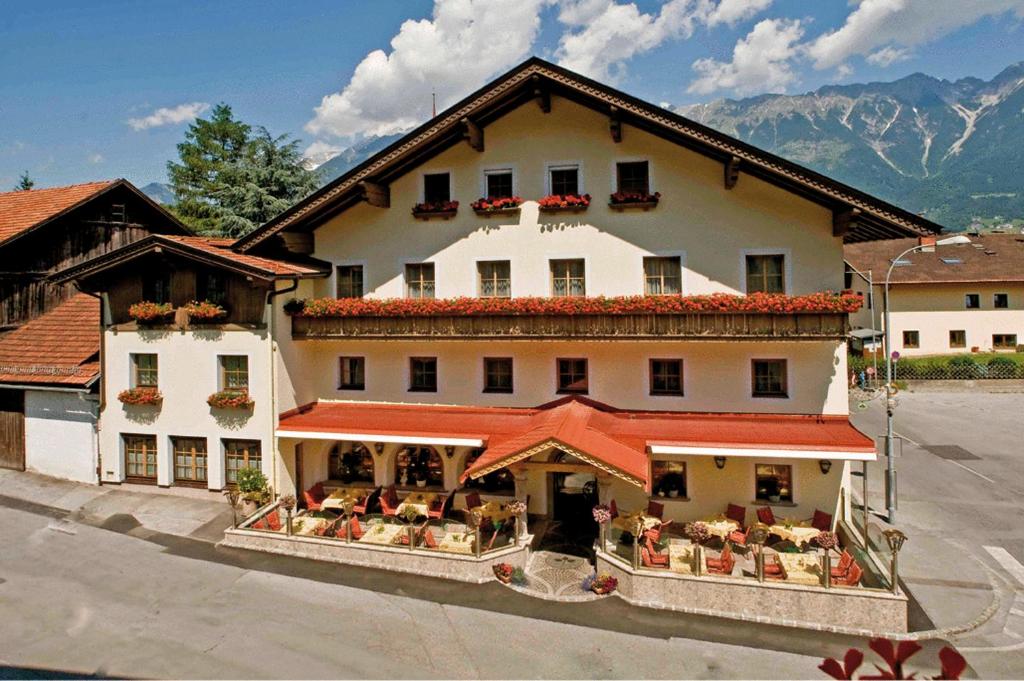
473,134
541,94
615,124
375,194
843,219
732,172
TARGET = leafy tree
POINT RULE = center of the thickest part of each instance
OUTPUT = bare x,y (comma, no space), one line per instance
231,179
24,182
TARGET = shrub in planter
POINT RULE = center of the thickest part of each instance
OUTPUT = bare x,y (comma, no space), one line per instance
205,311
140,396
230,399
150,313
252,488
519,577
496,205
294,306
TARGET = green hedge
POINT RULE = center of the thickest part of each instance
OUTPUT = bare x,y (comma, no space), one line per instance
960,367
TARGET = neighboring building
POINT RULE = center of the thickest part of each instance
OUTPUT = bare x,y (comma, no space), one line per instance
943,299
49,334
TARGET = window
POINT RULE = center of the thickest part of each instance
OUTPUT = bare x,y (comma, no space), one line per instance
1004,341
212,286
495,279
769,378
666,377
350,281
911,339
423,374
350,462
958,339
564,180
633,177
118,213
234,373
568,278
497,374
437,187
668,478
140,457
189,459
351,373
774,483
419,463
572,376
144,371
766,274
239,454
419,280
501,481
663,276
156,288
972,301
1001,301
498,183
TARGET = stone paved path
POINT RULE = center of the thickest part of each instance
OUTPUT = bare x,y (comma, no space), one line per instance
557,577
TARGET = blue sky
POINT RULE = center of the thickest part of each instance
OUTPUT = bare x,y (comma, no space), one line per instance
106,89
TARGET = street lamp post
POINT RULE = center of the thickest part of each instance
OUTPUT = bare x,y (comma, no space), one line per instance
890,403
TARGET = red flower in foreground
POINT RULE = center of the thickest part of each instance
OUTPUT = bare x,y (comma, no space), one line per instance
895,656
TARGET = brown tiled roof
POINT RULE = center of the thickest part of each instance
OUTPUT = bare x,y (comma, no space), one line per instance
23,210
988,258
222,248
59,348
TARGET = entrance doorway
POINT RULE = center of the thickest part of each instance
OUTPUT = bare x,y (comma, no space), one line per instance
12,429
572,496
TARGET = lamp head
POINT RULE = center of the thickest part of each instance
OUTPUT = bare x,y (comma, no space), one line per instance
958,240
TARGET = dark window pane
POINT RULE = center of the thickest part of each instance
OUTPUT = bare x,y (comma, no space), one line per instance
419,280
437,187
766,274
156,288
350,281
662,276
212,286
666,377
774,483
499,185
498,374
972,301
572,376
423,374
958,339
769,378
668,478
565,181
633,177
1001,301
352,373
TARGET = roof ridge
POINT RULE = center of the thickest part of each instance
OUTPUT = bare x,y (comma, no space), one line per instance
63,186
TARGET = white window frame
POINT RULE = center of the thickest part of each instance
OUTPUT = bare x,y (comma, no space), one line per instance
476,274
347,263
549,287
683,284
436,171
405,282
787,266
496,169
563,165
614,172
226,352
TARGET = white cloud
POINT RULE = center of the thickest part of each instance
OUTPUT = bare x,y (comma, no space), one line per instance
96,158
888,56
894,24
464,43
844,71
760,61
169,116
610,33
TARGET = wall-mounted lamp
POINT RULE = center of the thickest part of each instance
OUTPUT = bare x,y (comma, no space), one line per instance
378,447
720,462
825,465
449,451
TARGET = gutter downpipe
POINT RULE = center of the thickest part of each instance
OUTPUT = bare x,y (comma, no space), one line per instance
102,402
273,293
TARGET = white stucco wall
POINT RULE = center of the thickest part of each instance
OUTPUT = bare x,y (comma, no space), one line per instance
188,374
60,434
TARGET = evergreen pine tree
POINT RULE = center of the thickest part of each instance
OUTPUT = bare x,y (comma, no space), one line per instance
24,183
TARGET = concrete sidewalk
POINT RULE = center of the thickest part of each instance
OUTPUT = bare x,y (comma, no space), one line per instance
197,514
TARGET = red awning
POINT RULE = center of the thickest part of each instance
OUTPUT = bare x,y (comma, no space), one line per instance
614,440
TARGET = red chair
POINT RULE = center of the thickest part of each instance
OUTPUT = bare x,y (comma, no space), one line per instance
389,501
473,500
440,507
655,532
852,577
736,513
766,515
773,569
357,528
655,509
821,521
650,557
739,537
843,566
271,521
367,503
314,496
613,509
724,564
428,539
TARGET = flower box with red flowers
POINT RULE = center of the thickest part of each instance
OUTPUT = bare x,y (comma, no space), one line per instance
230,399
567,203
151,313
503,572
205,311
435,209
641,200
140,396
509,204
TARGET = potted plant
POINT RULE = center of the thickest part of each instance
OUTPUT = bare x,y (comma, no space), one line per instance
140,396
519,576
435,209
604,584
151,313
205,311
503,571
230,399
252,486
294,306
486,206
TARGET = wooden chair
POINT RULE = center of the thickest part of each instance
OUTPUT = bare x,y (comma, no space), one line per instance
389,501
440,507
724,564
314,496
367,503
822,521
736,513
766,515
655,509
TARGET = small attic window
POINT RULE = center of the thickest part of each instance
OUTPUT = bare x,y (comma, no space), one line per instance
987,252
117,212
902,262
952,261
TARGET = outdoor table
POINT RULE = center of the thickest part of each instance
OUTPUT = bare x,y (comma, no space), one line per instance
456,542
495,511
680,558
339,498
627,521
417,500
720,526
382,533
801,568
799,532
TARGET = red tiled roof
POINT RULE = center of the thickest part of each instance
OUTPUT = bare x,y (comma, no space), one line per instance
22,210
614,439
61,347
222,248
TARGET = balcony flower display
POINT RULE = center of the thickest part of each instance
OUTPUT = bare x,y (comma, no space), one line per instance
140,396
766,303
604,584
553,202
205,311
485,206
230,399
428,208
151,313
626,198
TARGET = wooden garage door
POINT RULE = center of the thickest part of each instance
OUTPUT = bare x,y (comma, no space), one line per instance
12,429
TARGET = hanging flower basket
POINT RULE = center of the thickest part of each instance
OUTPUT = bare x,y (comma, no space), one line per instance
151,313
490,206
644,200
228,399
435,209
573,203
140,396
205,311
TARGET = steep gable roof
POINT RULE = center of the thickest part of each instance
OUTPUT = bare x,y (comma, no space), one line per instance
536,79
